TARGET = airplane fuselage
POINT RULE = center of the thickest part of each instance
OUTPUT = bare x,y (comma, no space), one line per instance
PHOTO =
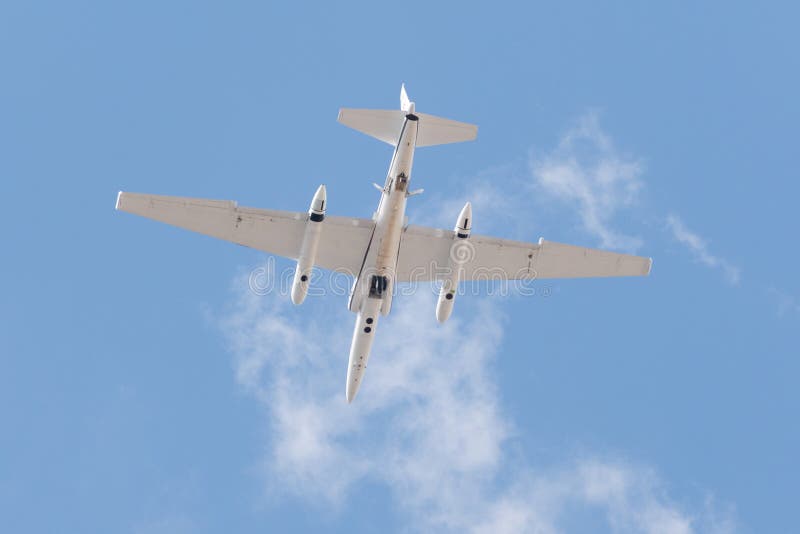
373,288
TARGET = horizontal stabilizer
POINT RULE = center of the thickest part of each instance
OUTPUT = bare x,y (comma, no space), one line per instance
383,124
386,125
439,131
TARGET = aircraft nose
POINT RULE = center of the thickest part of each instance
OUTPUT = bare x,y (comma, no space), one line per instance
352,388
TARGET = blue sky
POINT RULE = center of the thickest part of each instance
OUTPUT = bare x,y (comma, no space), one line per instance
145,388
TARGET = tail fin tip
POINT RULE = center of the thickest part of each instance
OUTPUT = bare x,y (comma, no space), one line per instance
405,104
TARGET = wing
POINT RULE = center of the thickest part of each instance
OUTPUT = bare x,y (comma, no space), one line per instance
342,245
425,253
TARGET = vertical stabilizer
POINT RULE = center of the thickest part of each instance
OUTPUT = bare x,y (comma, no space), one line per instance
405,104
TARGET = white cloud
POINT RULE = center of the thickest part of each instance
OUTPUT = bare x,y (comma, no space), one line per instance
584,173
699,248
428,424
785,302
588,173
497,205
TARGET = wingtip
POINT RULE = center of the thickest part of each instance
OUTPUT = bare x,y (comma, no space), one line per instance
649,266
119,198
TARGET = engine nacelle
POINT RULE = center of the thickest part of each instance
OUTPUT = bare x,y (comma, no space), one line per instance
308,250
461,252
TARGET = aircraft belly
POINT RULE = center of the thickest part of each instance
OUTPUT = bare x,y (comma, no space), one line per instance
361,346
386,261
380,260
381,257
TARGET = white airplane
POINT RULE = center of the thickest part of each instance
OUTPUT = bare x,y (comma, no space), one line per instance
384,250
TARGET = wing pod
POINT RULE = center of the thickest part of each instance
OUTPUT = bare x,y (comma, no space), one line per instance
461,252
308,249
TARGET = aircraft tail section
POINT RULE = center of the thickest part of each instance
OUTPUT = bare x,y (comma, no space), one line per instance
435,130
382,124
386,124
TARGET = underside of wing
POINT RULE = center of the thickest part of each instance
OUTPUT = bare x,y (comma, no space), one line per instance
425,255
383,124
343,241
557,260
435,130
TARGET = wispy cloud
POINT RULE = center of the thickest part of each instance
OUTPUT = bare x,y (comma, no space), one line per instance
585,173
591,176
786,303
699,249
588,173
428,424
496,201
